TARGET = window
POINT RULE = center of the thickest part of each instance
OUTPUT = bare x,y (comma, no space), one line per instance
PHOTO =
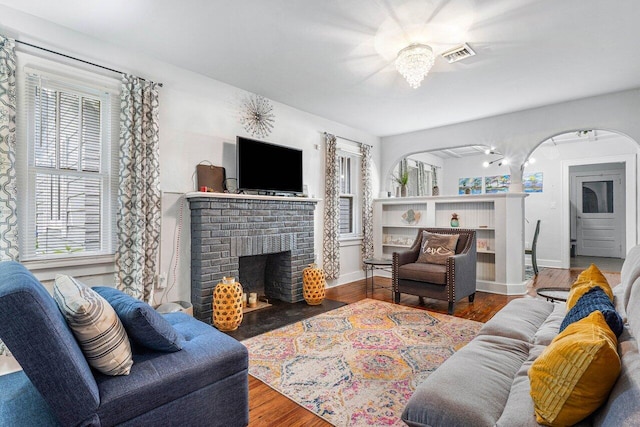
69,180
348,164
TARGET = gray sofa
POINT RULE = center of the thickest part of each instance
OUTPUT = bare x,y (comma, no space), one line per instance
204,384
486,382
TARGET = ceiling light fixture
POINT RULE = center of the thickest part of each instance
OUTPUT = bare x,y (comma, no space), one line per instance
502,160
414,62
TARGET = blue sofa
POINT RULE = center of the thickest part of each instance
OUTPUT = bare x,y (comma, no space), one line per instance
205,383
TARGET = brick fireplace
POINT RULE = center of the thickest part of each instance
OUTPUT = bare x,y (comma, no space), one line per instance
266,241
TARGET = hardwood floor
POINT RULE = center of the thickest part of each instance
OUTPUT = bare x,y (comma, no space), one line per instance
267,407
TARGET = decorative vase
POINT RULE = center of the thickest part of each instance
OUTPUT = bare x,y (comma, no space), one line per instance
454,220
227,304
313,285
435,191
403,191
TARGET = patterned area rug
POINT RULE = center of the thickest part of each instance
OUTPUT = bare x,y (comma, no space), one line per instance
359,364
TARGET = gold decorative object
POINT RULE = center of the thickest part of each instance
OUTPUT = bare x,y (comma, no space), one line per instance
227,304
313,285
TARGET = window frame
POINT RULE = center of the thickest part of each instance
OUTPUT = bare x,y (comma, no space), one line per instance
348,152
89,85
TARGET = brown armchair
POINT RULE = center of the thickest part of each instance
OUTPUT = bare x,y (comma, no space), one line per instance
450,282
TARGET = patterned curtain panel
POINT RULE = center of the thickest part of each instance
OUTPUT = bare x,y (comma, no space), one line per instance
8,217
403,167
331,241
139,193
421,183
367,203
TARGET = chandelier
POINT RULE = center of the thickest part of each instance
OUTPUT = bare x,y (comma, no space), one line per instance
414,62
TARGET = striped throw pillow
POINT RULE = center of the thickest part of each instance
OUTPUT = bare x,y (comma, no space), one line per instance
96,326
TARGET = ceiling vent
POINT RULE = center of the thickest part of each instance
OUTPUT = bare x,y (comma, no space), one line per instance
458,53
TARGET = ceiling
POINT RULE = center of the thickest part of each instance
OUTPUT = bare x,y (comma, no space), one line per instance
334,58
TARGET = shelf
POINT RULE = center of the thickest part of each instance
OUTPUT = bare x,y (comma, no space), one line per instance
468,228
403,226
499,269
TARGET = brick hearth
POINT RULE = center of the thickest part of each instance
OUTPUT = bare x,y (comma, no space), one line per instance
227,227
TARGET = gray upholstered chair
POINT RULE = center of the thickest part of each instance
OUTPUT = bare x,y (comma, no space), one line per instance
450,282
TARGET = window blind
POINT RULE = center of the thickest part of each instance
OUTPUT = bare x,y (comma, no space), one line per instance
71,178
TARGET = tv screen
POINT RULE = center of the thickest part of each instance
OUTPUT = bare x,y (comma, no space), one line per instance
262,166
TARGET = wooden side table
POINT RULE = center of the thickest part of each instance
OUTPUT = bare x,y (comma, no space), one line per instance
372,264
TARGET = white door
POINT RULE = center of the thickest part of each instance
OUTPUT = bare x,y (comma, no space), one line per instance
600,213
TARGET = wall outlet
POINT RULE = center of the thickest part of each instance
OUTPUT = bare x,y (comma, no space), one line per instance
161,281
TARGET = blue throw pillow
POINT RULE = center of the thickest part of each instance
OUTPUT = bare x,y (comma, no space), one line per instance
143,324
594,300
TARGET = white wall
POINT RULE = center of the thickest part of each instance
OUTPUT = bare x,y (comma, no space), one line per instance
517,134
198,121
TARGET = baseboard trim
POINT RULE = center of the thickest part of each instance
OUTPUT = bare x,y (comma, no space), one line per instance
501,288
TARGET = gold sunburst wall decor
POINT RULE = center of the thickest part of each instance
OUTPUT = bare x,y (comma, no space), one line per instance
256,115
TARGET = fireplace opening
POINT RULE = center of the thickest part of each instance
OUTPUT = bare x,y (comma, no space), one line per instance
267,275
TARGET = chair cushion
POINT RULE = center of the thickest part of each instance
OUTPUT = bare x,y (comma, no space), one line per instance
96,326
594,299
574,374
207,356
436,248
143,324
421,272
588,279
21,404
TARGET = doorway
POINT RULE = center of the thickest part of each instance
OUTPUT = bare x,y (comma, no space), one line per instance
590,154
597,215
604,188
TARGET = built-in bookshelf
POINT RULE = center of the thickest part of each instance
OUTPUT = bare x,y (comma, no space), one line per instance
400,222
498,220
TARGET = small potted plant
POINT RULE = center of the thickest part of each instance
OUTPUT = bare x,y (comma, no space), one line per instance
402,179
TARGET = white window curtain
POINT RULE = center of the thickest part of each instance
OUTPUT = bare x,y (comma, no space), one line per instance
331,237
139,216
8,216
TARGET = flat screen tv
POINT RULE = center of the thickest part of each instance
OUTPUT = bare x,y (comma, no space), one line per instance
268,168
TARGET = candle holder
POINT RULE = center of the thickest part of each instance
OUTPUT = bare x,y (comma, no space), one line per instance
227,304
313,283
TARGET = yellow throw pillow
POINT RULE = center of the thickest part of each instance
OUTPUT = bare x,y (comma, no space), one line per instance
575,373
588,279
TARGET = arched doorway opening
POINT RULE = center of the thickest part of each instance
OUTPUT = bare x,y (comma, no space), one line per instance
578,167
